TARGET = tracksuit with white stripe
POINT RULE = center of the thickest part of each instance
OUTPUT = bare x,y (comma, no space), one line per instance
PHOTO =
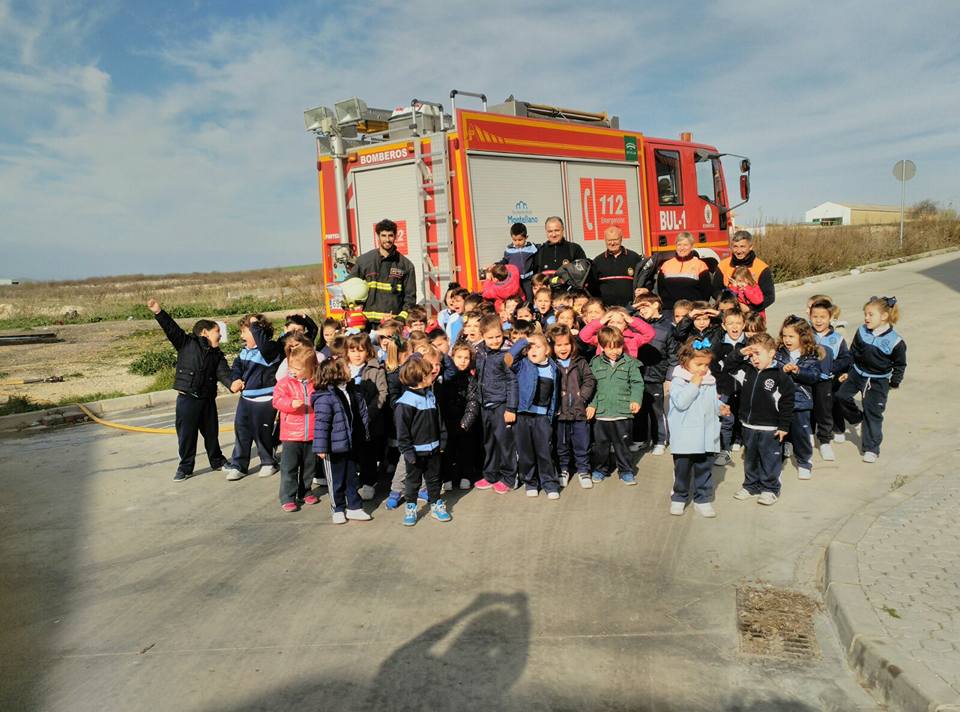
421,436
255,417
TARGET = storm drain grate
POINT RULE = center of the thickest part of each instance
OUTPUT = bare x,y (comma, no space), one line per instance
776,622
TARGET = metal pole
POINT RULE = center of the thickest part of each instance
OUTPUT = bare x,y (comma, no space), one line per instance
336,143
903,194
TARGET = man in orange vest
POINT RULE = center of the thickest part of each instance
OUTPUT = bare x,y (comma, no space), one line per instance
742,255
677,275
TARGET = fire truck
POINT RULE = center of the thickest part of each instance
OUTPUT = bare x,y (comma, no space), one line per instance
455,182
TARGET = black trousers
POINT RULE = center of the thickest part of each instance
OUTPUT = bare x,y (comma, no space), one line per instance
253,423
697,467
534,438
762,461
615,434
873,393
298,464
197,416
459,460
371,455
823,407
343,482
422,467
573,446
651,421
500,455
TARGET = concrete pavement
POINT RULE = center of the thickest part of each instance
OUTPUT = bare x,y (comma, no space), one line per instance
123,590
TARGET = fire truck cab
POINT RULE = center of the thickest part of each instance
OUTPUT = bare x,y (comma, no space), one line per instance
455,182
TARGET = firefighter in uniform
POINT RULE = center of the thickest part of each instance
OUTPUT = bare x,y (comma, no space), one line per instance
557,250
389,275
681,275
613,271
742,255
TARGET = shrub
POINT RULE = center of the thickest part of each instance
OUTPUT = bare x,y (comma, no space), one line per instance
153,360
162,380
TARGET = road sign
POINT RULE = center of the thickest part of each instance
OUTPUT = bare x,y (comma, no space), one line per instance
904,170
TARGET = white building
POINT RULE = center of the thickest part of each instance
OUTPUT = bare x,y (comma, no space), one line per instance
852,214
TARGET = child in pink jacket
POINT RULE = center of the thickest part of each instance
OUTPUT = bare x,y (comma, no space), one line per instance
291,397
746,289
636,332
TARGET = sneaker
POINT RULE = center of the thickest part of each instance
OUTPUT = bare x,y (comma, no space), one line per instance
410,514
501,488
635,446
358,515
464,484
804,473
585,481
483,484
339,518
423,495
704,509
289,507
553,495
736,447
628,479
367,492
311,499
232,474
268,470
532,492
319,481
180,476
448,486
598,476
438,510
676,508
767,498
743,494
658,449
393,500
870,457
787,450
564,479
839,437
826,452
722,459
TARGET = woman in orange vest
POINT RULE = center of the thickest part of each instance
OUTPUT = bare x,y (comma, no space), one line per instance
742,255
681,275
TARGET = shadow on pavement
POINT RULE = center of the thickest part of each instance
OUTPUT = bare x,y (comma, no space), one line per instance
947,274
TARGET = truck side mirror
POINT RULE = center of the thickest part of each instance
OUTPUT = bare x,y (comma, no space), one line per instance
745,165
744,187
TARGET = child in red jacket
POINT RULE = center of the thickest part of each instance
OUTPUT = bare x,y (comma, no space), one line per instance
291,397
746,289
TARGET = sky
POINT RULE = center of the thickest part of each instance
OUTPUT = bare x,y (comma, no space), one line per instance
168,137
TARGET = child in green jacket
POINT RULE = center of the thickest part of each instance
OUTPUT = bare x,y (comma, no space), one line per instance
617,398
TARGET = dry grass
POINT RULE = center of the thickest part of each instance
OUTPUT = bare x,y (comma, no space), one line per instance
797,251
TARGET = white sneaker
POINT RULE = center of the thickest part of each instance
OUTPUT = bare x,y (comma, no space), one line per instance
464,484
319,481
676,508
839,437
659,449
268,471
448,486
553,495
339,518
736,447
635,446
767,498
787,450
564,479
826,453
367,492
533,493
704,509
870,457
804,473
358,515
585,482
723,459
743,494
232,474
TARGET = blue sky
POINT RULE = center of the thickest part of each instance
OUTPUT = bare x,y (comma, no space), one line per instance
154,137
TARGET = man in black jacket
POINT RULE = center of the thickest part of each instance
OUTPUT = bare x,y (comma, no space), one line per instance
200,364
390,276
613,271
557,250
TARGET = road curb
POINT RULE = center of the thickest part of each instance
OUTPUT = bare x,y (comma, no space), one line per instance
881,664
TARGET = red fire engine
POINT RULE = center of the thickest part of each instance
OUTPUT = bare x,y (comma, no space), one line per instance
455,183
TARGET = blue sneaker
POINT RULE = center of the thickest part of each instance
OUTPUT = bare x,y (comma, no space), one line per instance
438,510
410,514
393,501
422,495
598,476
628,479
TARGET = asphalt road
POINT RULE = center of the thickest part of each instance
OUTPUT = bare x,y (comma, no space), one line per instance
122,590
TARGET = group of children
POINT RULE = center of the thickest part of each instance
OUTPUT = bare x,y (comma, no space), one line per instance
501,393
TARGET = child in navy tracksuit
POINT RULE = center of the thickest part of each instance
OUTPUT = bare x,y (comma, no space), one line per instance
521,254
766,411
659,358
806,362
727,358
498,400
577,386
824,406
879,362
340,432
421,437
536,404
256,367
